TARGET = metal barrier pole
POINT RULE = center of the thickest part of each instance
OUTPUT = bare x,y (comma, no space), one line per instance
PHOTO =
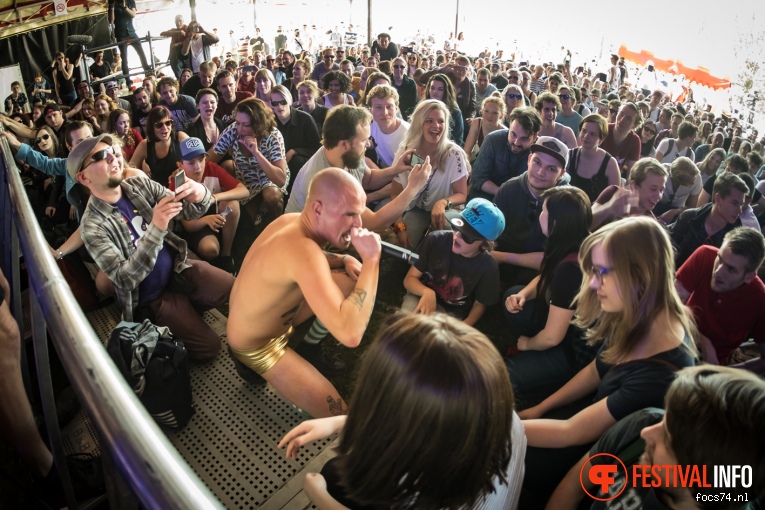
156,473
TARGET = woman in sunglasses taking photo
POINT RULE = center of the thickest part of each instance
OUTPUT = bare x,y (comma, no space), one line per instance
159,154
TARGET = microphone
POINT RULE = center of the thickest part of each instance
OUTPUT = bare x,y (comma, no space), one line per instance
80,39
399,253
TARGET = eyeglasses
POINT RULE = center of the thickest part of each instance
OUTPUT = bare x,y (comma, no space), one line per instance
399,67
283,102
565,97
599,272
98,156
584,96
269,60
165,123
610,110
43,137
513,96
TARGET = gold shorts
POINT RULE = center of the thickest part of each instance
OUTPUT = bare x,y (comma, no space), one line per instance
262,359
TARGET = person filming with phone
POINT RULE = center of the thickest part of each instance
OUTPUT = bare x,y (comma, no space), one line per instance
127,228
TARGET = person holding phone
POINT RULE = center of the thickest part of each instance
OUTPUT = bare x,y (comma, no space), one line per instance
127,228
212,235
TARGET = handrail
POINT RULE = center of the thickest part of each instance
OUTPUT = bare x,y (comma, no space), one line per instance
158,476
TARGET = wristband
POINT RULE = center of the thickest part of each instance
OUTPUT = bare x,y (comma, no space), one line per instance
342,260
60,255
400,226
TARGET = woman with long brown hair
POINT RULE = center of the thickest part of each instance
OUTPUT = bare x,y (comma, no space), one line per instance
159,154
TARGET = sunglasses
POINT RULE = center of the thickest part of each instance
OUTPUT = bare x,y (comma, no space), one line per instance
512,78
43,137
283,102
651,131
513,96
329,57
165,123
99,156
613,111
269,60
399,67
465,237
565,97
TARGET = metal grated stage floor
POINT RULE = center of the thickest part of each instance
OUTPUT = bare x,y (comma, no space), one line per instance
231,440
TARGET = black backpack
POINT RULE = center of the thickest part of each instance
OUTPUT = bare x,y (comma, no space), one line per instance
156,366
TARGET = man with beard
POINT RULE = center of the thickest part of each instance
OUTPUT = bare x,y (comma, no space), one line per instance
142,108
504,153
127,228
294,280
346,134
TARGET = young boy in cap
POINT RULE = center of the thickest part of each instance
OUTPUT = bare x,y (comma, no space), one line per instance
455,272
212,235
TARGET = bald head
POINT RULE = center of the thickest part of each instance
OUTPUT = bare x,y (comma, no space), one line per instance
332,184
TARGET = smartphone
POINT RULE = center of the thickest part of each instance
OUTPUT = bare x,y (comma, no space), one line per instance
180,178
227,211
248,69
417,160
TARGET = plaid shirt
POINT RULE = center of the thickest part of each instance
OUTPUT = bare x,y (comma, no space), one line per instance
107,238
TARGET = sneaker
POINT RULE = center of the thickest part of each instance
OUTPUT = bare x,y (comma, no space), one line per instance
327,364
246,373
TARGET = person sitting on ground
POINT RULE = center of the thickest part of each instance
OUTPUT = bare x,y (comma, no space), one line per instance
208,126
228,96
305,285
54,118
246,82
567,115
717,141
455,273
647,135
203,79
338,87
141,259
405,86
627,302
113,91
159,154
681,192
387,129
519,250
182,108
212,235
735,164
702,403
118,125
644,190
505,153
464,88
439,87
301,138
722,288
264,82
308,93
622,142
709,223
670,149
552,349
257,149
442,460
141,110
483,88
300,72
346,138
447,186
591,168
548,105
492,115
326,65
103,106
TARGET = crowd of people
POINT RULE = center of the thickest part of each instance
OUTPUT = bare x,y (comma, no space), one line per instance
617,227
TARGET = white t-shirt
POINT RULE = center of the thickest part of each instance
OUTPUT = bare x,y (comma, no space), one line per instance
313,166
387,145
680,196
197,51
674,154
439,185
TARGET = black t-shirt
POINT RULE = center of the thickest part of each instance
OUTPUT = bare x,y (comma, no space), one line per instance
522,233
639,383
710,184
564,285
617,441
101,71
500,82
139,121
457,281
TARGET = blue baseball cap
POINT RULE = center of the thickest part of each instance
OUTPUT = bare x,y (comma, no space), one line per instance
480,220
192,148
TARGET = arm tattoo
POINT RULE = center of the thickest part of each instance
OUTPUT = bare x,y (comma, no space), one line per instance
336,407
357,297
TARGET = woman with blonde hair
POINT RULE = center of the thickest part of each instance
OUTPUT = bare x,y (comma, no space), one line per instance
711,163
492,113
447,186
628,304
430,425
264,82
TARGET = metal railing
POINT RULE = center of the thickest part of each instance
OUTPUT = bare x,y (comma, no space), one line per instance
152,468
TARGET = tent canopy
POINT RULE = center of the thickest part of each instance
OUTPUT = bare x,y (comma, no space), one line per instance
699,74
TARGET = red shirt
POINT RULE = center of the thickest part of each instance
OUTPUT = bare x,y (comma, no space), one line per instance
727,319
629,150
215,178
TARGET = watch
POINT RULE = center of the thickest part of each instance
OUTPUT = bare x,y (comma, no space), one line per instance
448,204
